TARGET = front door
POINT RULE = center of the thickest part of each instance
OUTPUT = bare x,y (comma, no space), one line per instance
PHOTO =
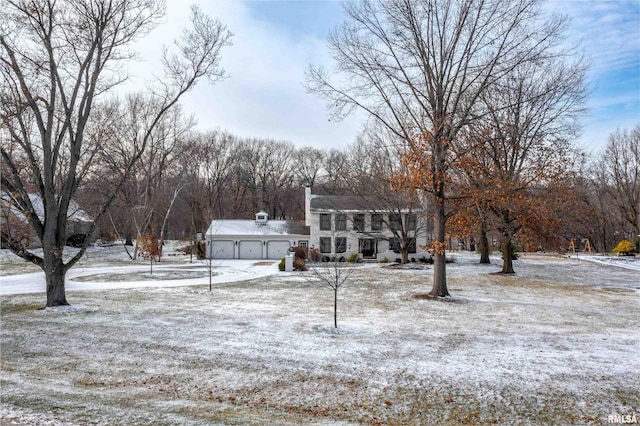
367,248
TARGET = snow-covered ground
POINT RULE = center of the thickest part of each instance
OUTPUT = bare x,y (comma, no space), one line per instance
110,268
557,343
627,262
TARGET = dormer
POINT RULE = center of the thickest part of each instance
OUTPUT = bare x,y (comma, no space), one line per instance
261,217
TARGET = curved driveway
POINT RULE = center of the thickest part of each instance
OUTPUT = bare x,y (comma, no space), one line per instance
226,271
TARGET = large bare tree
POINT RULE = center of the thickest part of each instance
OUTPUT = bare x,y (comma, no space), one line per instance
57,61
420,67
620,171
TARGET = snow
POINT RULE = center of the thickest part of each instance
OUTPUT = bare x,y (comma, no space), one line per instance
627,262
557,343
114,277
75,213
250,227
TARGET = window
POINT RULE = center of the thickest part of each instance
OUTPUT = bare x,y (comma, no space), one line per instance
325,221
302,243
358,222
341,222
395,245
376,222
411,222
341,244
395,222
325,244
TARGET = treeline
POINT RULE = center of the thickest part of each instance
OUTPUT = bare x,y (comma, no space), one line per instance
186,178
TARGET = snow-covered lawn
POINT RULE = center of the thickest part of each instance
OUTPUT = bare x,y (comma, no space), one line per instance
557,343
109,268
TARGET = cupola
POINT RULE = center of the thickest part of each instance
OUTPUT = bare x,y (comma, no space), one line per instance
261,217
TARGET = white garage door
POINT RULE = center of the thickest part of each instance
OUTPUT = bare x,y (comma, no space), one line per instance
250,249
222,249
277,249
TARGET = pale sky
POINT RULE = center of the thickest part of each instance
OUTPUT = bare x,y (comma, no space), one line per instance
275,41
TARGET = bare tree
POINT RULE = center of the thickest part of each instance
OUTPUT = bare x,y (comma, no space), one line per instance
378,172
210,174
336,170
332,275
620,171
56,60
420,67
308,165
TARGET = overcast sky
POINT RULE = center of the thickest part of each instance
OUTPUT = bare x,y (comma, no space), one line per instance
275,41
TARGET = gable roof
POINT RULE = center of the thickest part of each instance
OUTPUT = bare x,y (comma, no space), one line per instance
250,227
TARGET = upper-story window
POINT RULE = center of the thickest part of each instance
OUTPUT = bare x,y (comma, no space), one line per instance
395,222
341,222
325,221
411,222
376,222
358,222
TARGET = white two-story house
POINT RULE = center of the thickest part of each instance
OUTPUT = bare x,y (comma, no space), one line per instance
337,226
343,225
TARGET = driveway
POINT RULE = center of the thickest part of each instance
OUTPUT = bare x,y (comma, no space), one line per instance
225,271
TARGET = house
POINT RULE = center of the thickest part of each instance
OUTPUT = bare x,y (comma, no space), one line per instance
338,226
255,239
15,224
343,225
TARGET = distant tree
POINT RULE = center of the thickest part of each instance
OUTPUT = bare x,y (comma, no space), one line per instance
210,173
154,182
337,171
620,172
57,60
308,165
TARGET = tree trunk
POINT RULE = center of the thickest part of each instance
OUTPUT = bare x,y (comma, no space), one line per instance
404,253
507,259
439,265
484,246
335,307
55,278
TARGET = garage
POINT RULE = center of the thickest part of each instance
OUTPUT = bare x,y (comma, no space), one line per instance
255,239
222,249
250,249
277,249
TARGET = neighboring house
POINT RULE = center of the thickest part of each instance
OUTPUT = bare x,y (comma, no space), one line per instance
255,239
15,224
343,225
